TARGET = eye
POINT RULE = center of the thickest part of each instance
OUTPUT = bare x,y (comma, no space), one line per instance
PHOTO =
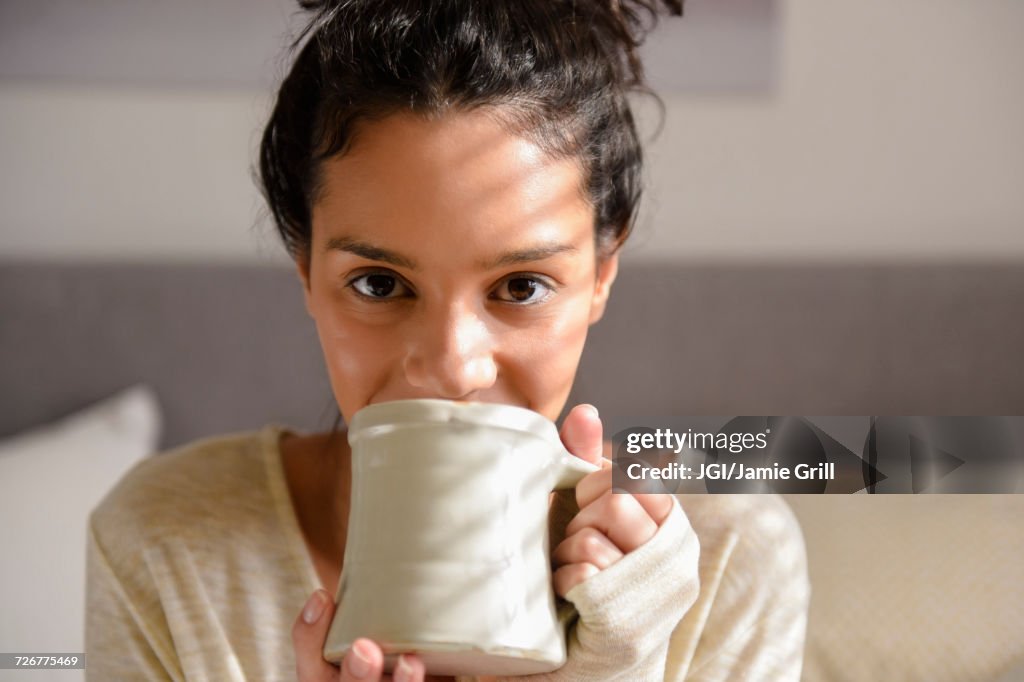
523,290
379,285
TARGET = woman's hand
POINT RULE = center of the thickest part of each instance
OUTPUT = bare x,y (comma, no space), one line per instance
628,564
608,525
364,662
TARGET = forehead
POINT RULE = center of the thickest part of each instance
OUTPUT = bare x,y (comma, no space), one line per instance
464,175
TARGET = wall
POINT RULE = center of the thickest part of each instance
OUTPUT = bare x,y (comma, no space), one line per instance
892,131
896,132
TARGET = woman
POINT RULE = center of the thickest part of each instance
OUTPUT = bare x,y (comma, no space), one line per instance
453,180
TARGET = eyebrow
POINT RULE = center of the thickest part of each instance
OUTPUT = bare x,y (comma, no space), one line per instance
528,255
371,252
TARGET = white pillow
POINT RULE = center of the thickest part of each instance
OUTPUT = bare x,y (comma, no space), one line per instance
50,479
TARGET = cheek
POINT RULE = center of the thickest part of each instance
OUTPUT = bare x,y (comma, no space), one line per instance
543,360
358,356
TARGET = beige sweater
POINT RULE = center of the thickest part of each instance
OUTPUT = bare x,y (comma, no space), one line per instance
197,569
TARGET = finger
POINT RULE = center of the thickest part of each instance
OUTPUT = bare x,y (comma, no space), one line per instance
409,669
657,505
581,433
571,575
364,662
588,546
308,634
592,486
620,517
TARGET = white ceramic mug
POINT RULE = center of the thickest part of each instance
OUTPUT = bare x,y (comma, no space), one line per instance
448,554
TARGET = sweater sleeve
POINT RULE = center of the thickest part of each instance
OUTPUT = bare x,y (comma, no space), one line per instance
731,606
123,640
751,619
770,649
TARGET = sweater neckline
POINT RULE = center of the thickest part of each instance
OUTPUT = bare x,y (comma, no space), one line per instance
285,506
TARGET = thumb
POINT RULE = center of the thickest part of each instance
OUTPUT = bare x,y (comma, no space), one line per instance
582,433
308,635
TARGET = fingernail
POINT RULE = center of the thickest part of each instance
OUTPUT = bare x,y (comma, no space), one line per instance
403,671
314,608
593,410
358,660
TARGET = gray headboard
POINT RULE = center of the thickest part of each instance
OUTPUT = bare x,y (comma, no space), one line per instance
231,347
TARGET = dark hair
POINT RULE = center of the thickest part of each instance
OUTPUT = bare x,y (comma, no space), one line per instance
557,71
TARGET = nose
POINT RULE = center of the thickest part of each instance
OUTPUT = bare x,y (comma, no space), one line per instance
450,353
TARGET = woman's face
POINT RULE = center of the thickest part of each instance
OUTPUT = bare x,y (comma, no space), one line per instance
452,259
